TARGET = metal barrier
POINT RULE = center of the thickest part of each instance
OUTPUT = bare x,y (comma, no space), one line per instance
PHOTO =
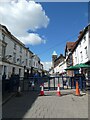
50,83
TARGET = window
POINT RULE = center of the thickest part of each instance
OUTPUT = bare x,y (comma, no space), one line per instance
29,62
84,38
75,52
86,54
20,49
15,46
80,44
14,57
3,37
26,53
81,56
19,71
3,51
13,70
20,60
76,59
34,63
26,62
5,69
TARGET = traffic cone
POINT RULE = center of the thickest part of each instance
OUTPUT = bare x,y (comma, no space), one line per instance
42,91
58,90
77,89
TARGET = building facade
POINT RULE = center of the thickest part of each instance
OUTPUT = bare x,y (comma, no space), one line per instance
81,51
15,58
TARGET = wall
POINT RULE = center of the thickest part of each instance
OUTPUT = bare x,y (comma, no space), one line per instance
81,48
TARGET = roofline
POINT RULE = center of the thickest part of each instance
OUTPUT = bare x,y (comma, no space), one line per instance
80,38
12,36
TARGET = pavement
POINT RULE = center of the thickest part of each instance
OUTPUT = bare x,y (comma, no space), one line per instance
31,105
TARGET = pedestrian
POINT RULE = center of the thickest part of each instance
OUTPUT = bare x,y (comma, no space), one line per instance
67,84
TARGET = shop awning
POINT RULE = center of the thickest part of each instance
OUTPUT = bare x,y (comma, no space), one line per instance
83,65
72,68
78,66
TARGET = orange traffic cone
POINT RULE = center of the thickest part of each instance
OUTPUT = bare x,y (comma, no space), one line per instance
42,91
77,89
58,90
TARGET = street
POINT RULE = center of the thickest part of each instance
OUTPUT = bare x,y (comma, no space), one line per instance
31,105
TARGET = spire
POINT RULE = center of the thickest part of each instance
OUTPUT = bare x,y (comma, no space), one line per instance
54,53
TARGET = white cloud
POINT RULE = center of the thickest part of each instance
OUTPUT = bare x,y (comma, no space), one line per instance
47,65
21,16
33,39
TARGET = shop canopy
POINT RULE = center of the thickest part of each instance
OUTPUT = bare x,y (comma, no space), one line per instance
83,65
78,66
72,68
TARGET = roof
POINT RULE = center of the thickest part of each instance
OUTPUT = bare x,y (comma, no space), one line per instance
81,34
61,56
70,45
14,38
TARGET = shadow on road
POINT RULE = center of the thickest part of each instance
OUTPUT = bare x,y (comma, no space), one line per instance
17,107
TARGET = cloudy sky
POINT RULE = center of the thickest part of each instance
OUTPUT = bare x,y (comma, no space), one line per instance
44,27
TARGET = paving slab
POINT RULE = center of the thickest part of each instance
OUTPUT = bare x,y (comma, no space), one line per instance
31,105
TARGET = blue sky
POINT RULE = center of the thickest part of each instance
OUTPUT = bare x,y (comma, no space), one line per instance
66,20
44,27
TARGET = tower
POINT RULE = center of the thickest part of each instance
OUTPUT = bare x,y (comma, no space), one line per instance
54,57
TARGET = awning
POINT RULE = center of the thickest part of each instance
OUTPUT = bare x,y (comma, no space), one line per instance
72,68
78,66
83,65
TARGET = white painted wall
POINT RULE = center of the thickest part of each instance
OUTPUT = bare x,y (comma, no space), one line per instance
61,67
9,51
81,48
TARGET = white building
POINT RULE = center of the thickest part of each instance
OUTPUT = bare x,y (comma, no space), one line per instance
36,64
14,56
81,51
62,67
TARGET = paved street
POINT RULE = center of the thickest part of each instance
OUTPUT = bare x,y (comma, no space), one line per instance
31,105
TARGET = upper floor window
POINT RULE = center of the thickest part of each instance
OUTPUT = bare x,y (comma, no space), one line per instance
3,37
14,57
84,38
26,62
29,62
86,53
76,59
15,46
26,53
3,51
20,59
75,52
20,49
81,55
80,44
